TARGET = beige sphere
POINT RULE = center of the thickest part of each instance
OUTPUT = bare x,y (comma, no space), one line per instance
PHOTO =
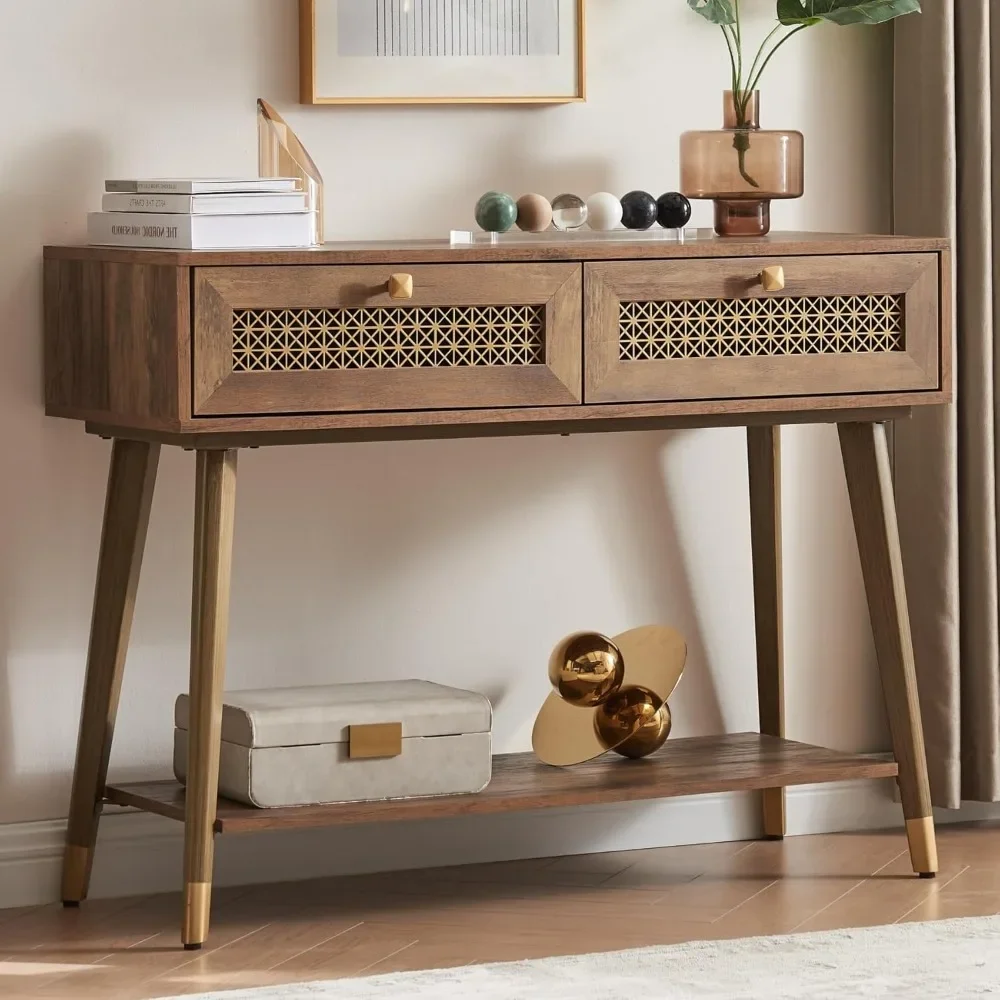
534,213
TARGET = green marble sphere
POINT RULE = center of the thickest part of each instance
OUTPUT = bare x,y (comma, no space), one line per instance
496,212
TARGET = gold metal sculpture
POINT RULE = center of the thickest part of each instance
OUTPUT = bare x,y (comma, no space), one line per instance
609,694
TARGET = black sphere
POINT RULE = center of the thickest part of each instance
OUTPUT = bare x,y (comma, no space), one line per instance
638,210
673,210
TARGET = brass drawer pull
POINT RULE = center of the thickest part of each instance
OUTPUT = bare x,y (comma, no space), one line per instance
382,739
401,286
772,279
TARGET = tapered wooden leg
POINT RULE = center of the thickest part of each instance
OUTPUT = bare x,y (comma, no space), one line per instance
215,501
131,480
764,459
869,481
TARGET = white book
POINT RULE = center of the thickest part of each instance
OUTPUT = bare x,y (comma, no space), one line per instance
201,185
206,204
201,232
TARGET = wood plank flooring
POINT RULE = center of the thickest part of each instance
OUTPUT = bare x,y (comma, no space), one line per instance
128,949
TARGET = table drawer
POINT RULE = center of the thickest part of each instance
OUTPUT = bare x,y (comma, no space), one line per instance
707,329
319,339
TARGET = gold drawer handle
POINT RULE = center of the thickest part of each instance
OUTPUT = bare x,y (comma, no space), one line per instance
401,286
772,279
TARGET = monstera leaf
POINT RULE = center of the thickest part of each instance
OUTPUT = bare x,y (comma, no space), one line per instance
716,11
844,11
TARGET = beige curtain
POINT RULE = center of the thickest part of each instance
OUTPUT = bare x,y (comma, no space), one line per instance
946,184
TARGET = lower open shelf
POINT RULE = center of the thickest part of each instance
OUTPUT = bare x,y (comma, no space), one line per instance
737,762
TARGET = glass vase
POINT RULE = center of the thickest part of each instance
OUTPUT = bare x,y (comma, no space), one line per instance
280,153
742,167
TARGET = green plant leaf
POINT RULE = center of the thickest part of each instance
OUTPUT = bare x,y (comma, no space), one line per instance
844,11
716,11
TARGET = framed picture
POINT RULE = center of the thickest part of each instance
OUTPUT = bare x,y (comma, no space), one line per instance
442,51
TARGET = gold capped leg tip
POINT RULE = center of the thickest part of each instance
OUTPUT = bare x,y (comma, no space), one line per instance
923,845
197,904
76,863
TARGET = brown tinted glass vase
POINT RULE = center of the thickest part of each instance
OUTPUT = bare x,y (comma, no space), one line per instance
742,168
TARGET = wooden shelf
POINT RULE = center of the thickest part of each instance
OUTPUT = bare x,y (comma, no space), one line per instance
740,762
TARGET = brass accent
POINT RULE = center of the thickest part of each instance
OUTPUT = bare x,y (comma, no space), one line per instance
624,713
401,286
381,739
761,327
772,279
284,340
923,845
654,658
631,715
307,71
638,713
564,734
197,909
76,865
586,668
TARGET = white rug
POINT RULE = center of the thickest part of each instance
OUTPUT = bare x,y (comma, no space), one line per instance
945,960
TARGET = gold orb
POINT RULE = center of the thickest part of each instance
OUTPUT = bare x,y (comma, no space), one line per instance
634,722
586,668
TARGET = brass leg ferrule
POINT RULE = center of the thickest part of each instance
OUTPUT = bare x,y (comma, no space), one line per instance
197,903
923,844
75,873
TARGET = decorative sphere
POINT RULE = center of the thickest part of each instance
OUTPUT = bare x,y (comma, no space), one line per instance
639,210
649,738
673,210
496,212
604,212
534,213
586,668
569,212
633,722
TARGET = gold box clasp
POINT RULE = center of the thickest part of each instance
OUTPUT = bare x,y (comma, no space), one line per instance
381,739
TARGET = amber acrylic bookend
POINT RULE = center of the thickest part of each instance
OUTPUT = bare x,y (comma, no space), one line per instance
281,154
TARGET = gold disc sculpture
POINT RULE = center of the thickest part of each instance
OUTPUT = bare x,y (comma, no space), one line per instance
610,694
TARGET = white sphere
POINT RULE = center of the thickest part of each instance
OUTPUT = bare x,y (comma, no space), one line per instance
604,211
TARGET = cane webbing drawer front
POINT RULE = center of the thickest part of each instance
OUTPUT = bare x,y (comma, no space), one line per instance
708,329
288,340
759,328
332,339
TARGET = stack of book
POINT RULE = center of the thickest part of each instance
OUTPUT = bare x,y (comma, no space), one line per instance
208,214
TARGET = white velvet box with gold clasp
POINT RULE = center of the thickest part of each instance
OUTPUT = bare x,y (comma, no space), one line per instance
348,743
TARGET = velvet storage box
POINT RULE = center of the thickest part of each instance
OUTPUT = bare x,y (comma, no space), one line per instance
348,743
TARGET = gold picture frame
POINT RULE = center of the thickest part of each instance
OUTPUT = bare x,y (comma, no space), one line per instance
310,88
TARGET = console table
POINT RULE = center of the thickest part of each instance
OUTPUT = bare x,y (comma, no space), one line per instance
217,351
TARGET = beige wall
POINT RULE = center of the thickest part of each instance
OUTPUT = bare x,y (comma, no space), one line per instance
458,561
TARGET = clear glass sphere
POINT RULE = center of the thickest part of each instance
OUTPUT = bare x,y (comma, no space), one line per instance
569,212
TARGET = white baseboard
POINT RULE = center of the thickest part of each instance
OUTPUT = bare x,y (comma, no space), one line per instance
138,853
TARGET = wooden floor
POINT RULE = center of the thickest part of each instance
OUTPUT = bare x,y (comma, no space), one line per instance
129,948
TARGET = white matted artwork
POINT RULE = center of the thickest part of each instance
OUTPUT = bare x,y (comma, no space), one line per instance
442,51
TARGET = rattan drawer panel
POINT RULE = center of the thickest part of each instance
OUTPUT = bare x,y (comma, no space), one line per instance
707,329
331,339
